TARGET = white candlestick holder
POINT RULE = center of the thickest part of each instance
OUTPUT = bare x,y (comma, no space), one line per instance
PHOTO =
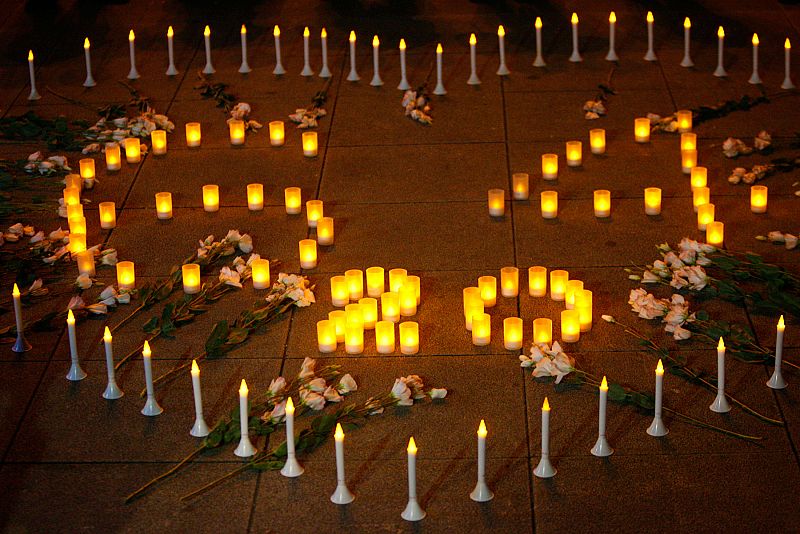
112,391
245,449
544,469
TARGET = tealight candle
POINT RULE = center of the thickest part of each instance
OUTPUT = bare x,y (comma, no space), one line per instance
407,299
308,254
570,326
260,273
537,281
641,130
715,233
339,320
390,306
688,160
236,130
497,202
474,306
755,78
512,333
542,330
758,199
700,196
375,281
705,215
509,282
73,180
191,278
549,204
549,166
652,200
293,200
558,284
520,183
583,305
85,261
384,337
77,243
409,337
597,140
353,75
74,210
193,135
211,197
688,141
133,150
72,196
569,294
325,231
77,225
310,144
113,157
415,282
369,312
354,336
255,197
276,133
314,210
164,205
397,278
684,117
574,153
602,203
481,329
699,177
87,168
126,275
488,287
355,283
687,59
469,293
108,215
158,139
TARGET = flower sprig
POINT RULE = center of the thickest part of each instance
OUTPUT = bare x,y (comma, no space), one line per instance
306,118
706,113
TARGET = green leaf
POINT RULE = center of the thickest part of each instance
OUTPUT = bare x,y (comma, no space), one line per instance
616,392
151,326
237,335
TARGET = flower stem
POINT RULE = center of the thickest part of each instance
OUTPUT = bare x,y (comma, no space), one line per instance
139,492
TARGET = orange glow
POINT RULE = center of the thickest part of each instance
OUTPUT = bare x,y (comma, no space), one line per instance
604,384
574,18
482,432
755,39
131,36
207,31
107,338
289,406
472,39
376,42
501,32
721,345
170,32
86,44
412,446
352,36
720,32
781,325
339,434
687,23
660,368
402,44
276,31
546,405
650,16
612,18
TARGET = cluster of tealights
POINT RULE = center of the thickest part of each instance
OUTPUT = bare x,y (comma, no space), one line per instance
360,313
576,318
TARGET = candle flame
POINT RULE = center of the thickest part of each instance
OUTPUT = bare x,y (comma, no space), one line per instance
472,39
546,405
501,32
612,18
720,32
755,39
604,384
482,432
538,23
207,31
289,406
660,368
276,31
375,41
107,336
787,45
306,33
15,291
243,30
687,23
412,446
574,18
339,434
402,44
195,368
721,345
243,391
30,55
323,33
170,32
70,317
131,36
781,325
352,36
439,48
86,44
650,16
146,352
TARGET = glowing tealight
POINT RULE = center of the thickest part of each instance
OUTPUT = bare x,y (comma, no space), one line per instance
688,160
164,205
193,136
758,199
211,198
699,177
512,333
549,200
574,153
520,184
652,201
597,140
108,215
549,166
570,326
384,337
481,329
309,144
705,215
325,231
684,117
390,306
509,282
158,138
314,212
558,284
113,157
326,336
715,233
255,197
355,283
126,275
308,254
641,130
375,281
236,131
602,203
260,273
688,141
700,196
190,273
133,150
409,337
293,200
542,330
537,281
276,133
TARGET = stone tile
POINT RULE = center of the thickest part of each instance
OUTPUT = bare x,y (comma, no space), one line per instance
14,402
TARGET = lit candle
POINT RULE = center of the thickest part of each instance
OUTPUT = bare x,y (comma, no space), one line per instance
705,215
413,511
404,85
308,254
700,196
341,495
74,210
688,141
77,243
108,215
132,74
325,231
72,196
688,160
481,493
549,204
164,205
473,77
576,56
353,313
209,68
314,212
200,428
509,282
416,283
537,281
291,468
574,153
512,333
570,326
193,134
720,404
758,199
472,307
73,180
501,43
755,78
787,59
77,225
612,23
720,70
641,130
354,336
306,54
597,140
276,133
34,95
409,337
558,284
260,273
255,197
326,336
397,278
133,150
112,390
171,70
369,312
75,372
520,183
375,281
245,449
699,177
376,77
158,138
113,157
601,447
542,330
545,468
353,76
339,320
687,60
602,203
355,283
244,67
89,82
439,90
309,144
151,407
211,198
715,233
652,201
776,381
569,293
650,55
325,71
407,299
390,306
191,278
539,61
497,202
549,166
481,329
657,428
293,201
85,261
276,32
469,293
583,305
126,275
236,129
20,345
684,117
488,287
384,337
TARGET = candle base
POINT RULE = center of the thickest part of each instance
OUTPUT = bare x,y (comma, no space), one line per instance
776,381
307,70
353,76
278,70
755,79
481,493
133,74
539,61
89,82
244,68
787,83
720,404
151,407
75,373
209,68
720,72
657,428
473,79
245,449
687,61
292,468
376,80
171,70
404,85
325,72
200,428
545,469
34,94
612,55
650,56
575,57
413,511
21,344
439,90
503,70
112,391
342,495
602,448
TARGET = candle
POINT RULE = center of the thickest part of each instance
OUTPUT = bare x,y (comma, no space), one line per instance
341,495
113,157
576,56
715,233
151,407
85,261
497,202
597,140
89,82
255,197
34,95
481,493
688,160
705,215
112,390
325,231
537,281
354,334
72,196
776,381
688,141
132,74
193,134
787,59
191,278
200,428
236,129
501,43
542,330
376,77
384,337
684,117
74,210
755,78
309,144
353,76
509,281
650,55
73,180
375,281
413,511
652,201
276,32
306,54
390,306
539,61
355,283
404,85
758,199
276,134
720,70
77,243
325,71
472,307
293,201
75,372
601,447
326,336
700,196
244,67
260,273
211,198
369,312
164,205
308,254
570,326
171,70
512,333
699,177
77,225
339,320
602,203
291,468
245,449
158,138
409,337
397,278
574,153
314,211
612,23
481,329
209,68
439,90
569,293
126,275
469,293
473,77
657,427
407,299
520,183
108,215
583,304
687,60
549,166
720,404
133,150
545,468
20,345
558,284
641,130
549,204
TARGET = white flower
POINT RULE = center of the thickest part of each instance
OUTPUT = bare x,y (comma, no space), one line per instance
791,241
677,282
229,277
415,383
679,333
650,278
124,297
438,393
75,303
331,395
276,386
347,384
83,281
233,237
697,277
307,368
762,141
544,367
29,231
246,244
402,393
15,229
776,237
108,296
278,413
673,260
36,156
660,268
317,385
313,400
608,318
39,236
58,235
646,305
108,257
